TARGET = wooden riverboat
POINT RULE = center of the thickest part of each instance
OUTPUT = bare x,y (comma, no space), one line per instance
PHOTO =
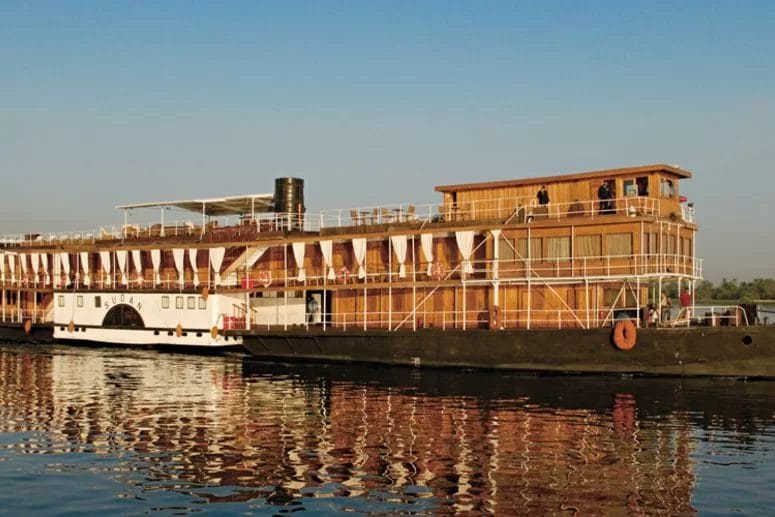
546,273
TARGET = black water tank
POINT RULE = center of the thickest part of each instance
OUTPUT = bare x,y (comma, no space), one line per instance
289,195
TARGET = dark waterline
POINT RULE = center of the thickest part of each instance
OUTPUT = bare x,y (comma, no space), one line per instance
101,431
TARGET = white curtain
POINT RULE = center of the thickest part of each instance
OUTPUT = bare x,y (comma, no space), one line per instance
35,259
298,255
216,260
496,236
359,250
105,262
137,259
44,262
23,260
178,254
399,247
12,268
426,241
121,263
85,266
465,243
66,267
192,259
156,261
327,250
57,267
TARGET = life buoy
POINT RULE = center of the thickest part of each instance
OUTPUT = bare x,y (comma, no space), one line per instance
624,334
495,318
343,275
265,278
27,326
437,271
214,332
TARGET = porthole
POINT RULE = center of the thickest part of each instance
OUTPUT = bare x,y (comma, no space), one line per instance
169,332
155,332
198,334
747,340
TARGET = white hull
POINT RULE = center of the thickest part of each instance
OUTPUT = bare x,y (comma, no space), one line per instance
140,337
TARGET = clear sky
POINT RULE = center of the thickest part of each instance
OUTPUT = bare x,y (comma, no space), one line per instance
103,103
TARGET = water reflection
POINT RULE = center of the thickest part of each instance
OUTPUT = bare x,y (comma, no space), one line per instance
183,431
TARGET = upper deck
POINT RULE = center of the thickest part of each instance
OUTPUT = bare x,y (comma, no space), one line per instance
650,191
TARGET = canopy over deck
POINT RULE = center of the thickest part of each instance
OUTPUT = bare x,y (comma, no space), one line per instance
217,206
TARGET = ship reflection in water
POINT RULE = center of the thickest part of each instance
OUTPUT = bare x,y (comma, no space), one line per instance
135,431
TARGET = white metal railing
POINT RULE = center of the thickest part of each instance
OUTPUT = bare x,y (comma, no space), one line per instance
484,271
511,209
508,319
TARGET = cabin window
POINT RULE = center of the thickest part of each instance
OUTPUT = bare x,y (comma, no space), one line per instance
506,251
202,303
589,246
642,184
667,187
165,302
671,245
558,247
687,247
619,244
191,302
178,302
98,302
650,243
536,248
79,301
61,300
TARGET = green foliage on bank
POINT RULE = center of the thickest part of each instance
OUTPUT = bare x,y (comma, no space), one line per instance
732,290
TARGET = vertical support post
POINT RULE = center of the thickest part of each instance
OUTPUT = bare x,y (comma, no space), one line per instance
414,288
659,294
586,300
464,302
161,230
638,305
3,293
365,306
390,283
529,275
325,294
126,221
285,291
248,287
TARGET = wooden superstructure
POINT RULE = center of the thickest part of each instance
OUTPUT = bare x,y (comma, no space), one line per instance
486,255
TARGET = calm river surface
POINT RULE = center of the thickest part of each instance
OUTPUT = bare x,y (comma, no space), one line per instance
97,431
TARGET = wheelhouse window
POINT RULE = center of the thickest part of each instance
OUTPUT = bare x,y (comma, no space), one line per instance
667,188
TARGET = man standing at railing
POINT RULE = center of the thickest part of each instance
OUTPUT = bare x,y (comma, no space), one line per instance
664,306
604,195
686,303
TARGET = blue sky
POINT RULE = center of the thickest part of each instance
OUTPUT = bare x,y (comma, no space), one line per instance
103,103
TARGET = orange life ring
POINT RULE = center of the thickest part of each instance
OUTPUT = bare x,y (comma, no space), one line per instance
214,332
27,326
624,334
343,275
495,318
265,278
437,271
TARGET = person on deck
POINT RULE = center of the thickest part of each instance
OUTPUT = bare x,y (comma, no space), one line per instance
664,306
543,196
686,303
604,195
312,309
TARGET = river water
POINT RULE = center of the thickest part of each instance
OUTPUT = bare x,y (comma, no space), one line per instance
101,430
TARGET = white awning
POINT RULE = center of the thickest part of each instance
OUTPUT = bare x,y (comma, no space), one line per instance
217,206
